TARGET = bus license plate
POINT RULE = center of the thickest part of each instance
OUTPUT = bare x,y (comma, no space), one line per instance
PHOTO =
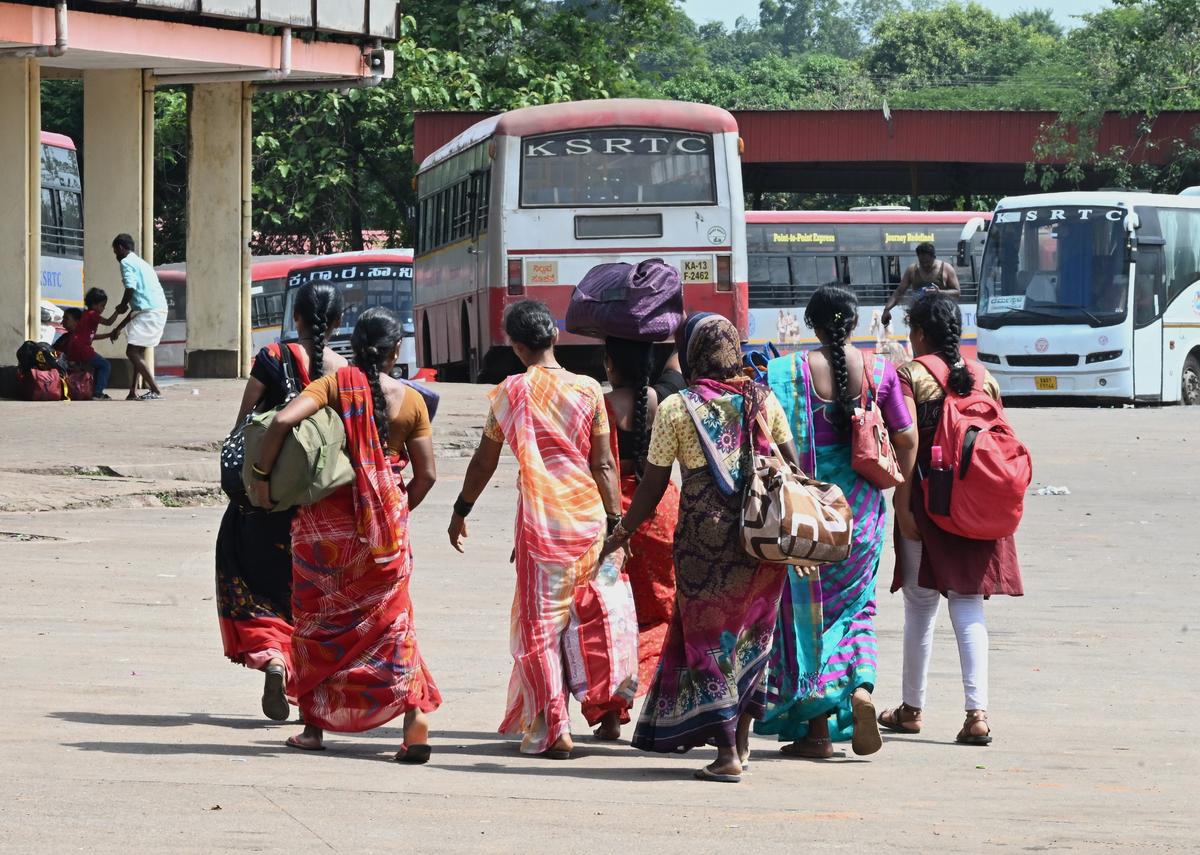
1045,384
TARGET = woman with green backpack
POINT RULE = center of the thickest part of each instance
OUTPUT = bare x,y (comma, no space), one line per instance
356,663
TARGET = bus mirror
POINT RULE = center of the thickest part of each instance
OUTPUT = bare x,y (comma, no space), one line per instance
1132,222
961,259
409,329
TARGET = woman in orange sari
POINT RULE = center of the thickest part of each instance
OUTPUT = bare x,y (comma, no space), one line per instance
354,650
556,425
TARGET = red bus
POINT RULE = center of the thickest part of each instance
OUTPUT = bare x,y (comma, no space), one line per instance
523,204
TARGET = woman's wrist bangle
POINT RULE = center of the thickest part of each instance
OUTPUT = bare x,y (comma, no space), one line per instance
620,533
259,475
462,507
614,520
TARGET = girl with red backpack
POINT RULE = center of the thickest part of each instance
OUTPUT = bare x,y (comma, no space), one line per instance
944,545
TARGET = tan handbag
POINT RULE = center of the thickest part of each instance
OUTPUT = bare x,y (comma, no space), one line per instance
789,518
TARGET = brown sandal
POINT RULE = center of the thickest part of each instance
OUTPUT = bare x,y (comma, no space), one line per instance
901,719
969,734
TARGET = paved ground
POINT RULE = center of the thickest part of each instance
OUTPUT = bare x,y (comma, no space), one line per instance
127,730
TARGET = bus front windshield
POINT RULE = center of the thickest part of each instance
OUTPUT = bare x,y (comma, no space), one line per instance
363,286
617,167
1060,265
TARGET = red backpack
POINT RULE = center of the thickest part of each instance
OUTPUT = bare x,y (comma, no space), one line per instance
991,468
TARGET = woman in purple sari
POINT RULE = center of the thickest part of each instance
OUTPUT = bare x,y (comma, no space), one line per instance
708,686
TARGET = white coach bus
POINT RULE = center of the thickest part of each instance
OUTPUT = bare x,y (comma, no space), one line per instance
1093,295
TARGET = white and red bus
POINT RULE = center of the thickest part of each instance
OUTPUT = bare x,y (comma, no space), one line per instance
792,253
62,222
268,278
379,277
523,204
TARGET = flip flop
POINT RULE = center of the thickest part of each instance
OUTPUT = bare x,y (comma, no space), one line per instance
866,739
413,754
705,774
292,743
274,699
801,754
150,396
557,754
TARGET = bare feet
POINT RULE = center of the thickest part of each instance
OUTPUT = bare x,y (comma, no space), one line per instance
311,739
610,727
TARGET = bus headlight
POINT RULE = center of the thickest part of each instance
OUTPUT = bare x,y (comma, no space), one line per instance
988,357
724,276
516,277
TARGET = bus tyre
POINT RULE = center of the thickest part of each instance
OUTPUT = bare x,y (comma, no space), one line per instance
1191,381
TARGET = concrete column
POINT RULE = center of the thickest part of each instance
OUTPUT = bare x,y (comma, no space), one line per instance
21,217
218,164
115,189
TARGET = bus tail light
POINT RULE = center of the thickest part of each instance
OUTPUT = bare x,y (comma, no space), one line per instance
516,277
724,278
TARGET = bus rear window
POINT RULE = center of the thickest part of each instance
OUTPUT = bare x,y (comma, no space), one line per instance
617,167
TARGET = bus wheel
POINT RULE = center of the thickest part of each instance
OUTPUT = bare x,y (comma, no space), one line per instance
1191,380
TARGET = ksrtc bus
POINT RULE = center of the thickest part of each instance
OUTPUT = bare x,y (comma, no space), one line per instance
523,204
381,277
62,222
1057,313
268,275
792,253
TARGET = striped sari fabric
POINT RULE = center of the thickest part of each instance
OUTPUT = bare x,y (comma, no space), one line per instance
549,418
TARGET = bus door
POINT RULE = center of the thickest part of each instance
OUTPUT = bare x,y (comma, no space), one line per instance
478,199
1148,301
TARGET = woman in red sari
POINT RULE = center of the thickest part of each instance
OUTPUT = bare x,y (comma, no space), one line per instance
631,405
354,650
254,547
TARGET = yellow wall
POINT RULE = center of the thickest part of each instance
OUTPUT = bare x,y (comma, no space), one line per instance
215,238
20,190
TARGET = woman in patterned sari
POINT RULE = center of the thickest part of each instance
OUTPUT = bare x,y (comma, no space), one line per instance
254,547
354,649
708,687
556,425
824,659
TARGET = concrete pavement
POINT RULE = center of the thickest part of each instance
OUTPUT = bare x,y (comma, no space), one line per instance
128,731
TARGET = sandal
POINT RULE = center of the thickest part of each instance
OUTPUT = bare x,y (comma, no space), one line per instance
414,754
901,719
808,749
866,739
969,735
706,774
274,699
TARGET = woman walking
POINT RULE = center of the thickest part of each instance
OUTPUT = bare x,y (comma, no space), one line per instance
931,562
824,657
708,686
354,650
254,547
632,404
556,425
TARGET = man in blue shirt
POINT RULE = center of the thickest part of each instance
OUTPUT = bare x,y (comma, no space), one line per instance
147,317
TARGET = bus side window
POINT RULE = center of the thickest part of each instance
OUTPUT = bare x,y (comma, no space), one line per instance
50,225
894,273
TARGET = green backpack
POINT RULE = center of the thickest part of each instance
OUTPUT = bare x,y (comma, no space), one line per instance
312,461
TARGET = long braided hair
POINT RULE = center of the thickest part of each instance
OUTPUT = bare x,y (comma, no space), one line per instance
938,316
633,362
375,337
319,305
834,311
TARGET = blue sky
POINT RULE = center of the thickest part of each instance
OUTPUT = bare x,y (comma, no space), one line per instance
728,11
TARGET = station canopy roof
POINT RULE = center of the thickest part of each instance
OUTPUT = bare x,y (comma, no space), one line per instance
202,36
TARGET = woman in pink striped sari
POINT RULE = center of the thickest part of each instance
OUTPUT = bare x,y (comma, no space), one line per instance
556,424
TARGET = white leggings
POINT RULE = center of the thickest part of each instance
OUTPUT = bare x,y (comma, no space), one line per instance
920,618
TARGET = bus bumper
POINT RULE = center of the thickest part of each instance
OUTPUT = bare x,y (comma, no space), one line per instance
1102,381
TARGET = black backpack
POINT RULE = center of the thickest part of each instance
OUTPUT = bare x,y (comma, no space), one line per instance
39,356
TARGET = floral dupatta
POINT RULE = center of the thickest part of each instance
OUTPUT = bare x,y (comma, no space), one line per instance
726,426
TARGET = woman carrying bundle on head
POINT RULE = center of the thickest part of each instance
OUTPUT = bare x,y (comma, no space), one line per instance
254,551
824,658
632,405
356,664
930,561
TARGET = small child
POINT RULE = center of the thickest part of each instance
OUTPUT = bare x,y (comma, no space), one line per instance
70,318
83,332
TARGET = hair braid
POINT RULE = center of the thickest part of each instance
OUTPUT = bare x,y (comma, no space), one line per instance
939,318
641,418
839,414
368,361
320,305
317,362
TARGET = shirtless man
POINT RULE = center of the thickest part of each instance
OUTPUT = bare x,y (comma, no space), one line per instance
928,274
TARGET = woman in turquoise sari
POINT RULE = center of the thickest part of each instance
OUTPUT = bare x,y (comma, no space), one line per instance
823,658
